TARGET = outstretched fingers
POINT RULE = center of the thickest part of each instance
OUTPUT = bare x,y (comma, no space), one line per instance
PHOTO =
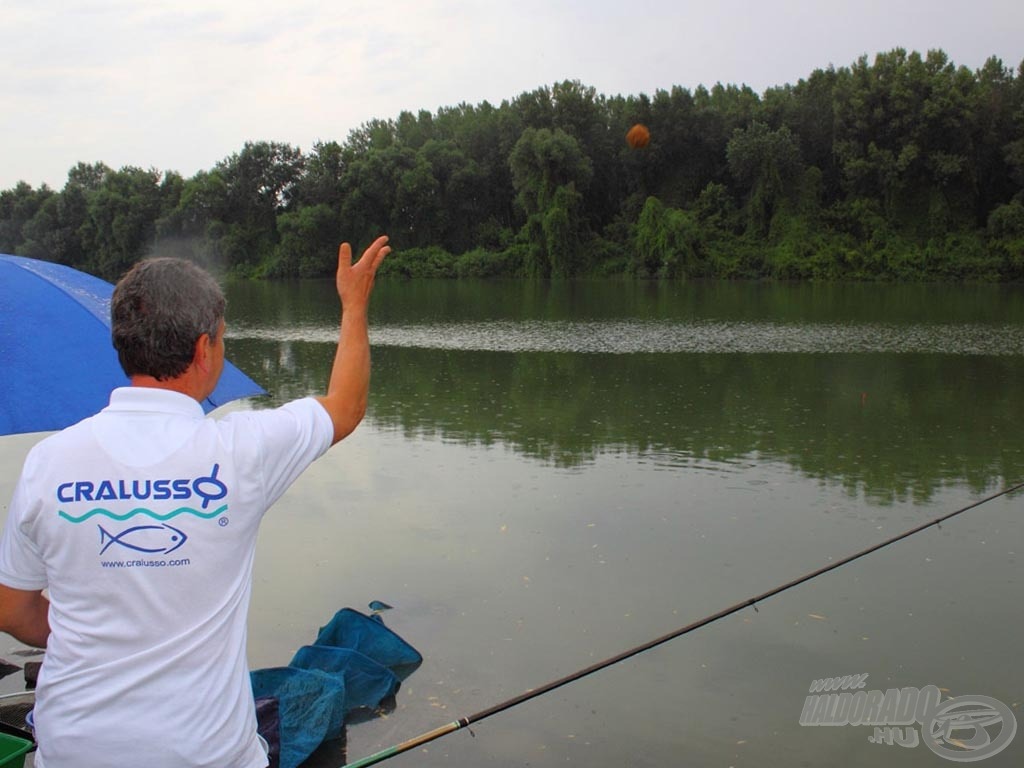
375,254
355,281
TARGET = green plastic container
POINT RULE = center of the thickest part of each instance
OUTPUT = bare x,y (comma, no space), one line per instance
12,751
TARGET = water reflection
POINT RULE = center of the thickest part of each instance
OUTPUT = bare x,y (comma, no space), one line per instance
892,391
465,301
890,424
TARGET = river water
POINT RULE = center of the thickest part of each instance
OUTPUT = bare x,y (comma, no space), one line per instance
551,473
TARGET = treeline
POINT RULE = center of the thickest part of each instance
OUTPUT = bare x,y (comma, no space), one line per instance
907,167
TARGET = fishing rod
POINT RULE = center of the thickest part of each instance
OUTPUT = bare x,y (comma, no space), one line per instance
750,602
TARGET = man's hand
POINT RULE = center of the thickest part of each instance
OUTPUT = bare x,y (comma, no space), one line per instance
355,281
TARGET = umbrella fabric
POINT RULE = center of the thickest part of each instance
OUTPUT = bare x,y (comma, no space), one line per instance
56,358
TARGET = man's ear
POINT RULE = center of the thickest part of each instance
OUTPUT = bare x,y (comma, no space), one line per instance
201,354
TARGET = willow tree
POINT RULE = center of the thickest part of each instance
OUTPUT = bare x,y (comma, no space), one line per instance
550,173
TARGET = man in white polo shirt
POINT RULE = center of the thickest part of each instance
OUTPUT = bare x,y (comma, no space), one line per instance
140,522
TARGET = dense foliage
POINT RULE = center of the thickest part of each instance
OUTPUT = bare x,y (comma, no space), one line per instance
907,167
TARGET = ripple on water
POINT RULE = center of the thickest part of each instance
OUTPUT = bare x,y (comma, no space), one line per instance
699,336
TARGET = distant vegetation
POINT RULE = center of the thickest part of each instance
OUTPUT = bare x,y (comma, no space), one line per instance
904,168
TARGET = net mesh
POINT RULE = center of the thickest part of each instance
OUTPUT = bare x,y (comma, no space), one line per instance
355,663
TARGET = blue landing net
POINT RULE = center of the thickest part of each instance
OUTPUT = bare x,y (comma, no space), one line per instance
355,663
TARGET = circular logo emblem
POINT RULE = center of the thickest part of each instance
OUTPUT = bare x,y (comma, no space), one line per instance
969,728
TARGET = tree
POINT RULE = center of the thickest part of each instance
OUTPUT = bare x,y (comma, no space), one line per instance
193,228
321,179
766,164
371,183
548,172
541,162
462,191
120,227
414,131
904,136
309,238
807,110
667,242
562,230
375,134
88,177
485,135
54,233
259,183
18,206
418,212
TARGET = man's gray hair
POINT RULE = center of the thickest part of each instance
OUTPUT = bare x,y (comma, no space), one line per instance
158,311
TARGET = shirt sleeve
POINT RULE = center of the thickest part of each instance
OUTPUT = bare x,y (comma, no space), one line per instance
291,438
21,566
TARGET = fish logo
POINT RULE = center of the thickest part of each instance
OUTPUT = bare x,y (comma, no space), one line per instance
151,539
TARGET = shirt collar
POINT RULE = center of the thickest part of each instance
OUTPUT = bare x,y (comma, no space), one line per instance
154,400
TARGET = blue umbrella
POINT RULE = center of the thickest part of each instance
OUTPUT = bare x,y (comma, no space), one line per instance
57,363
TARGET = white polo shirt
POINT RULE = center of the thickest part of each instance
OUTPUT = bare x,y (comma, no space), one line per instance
141,522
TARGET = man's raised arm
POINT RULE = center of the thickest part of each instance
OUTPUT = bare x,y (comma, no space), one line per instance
349,386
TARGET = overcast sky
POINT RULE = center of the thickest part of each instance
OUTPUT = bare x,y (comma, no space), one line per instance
181,85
